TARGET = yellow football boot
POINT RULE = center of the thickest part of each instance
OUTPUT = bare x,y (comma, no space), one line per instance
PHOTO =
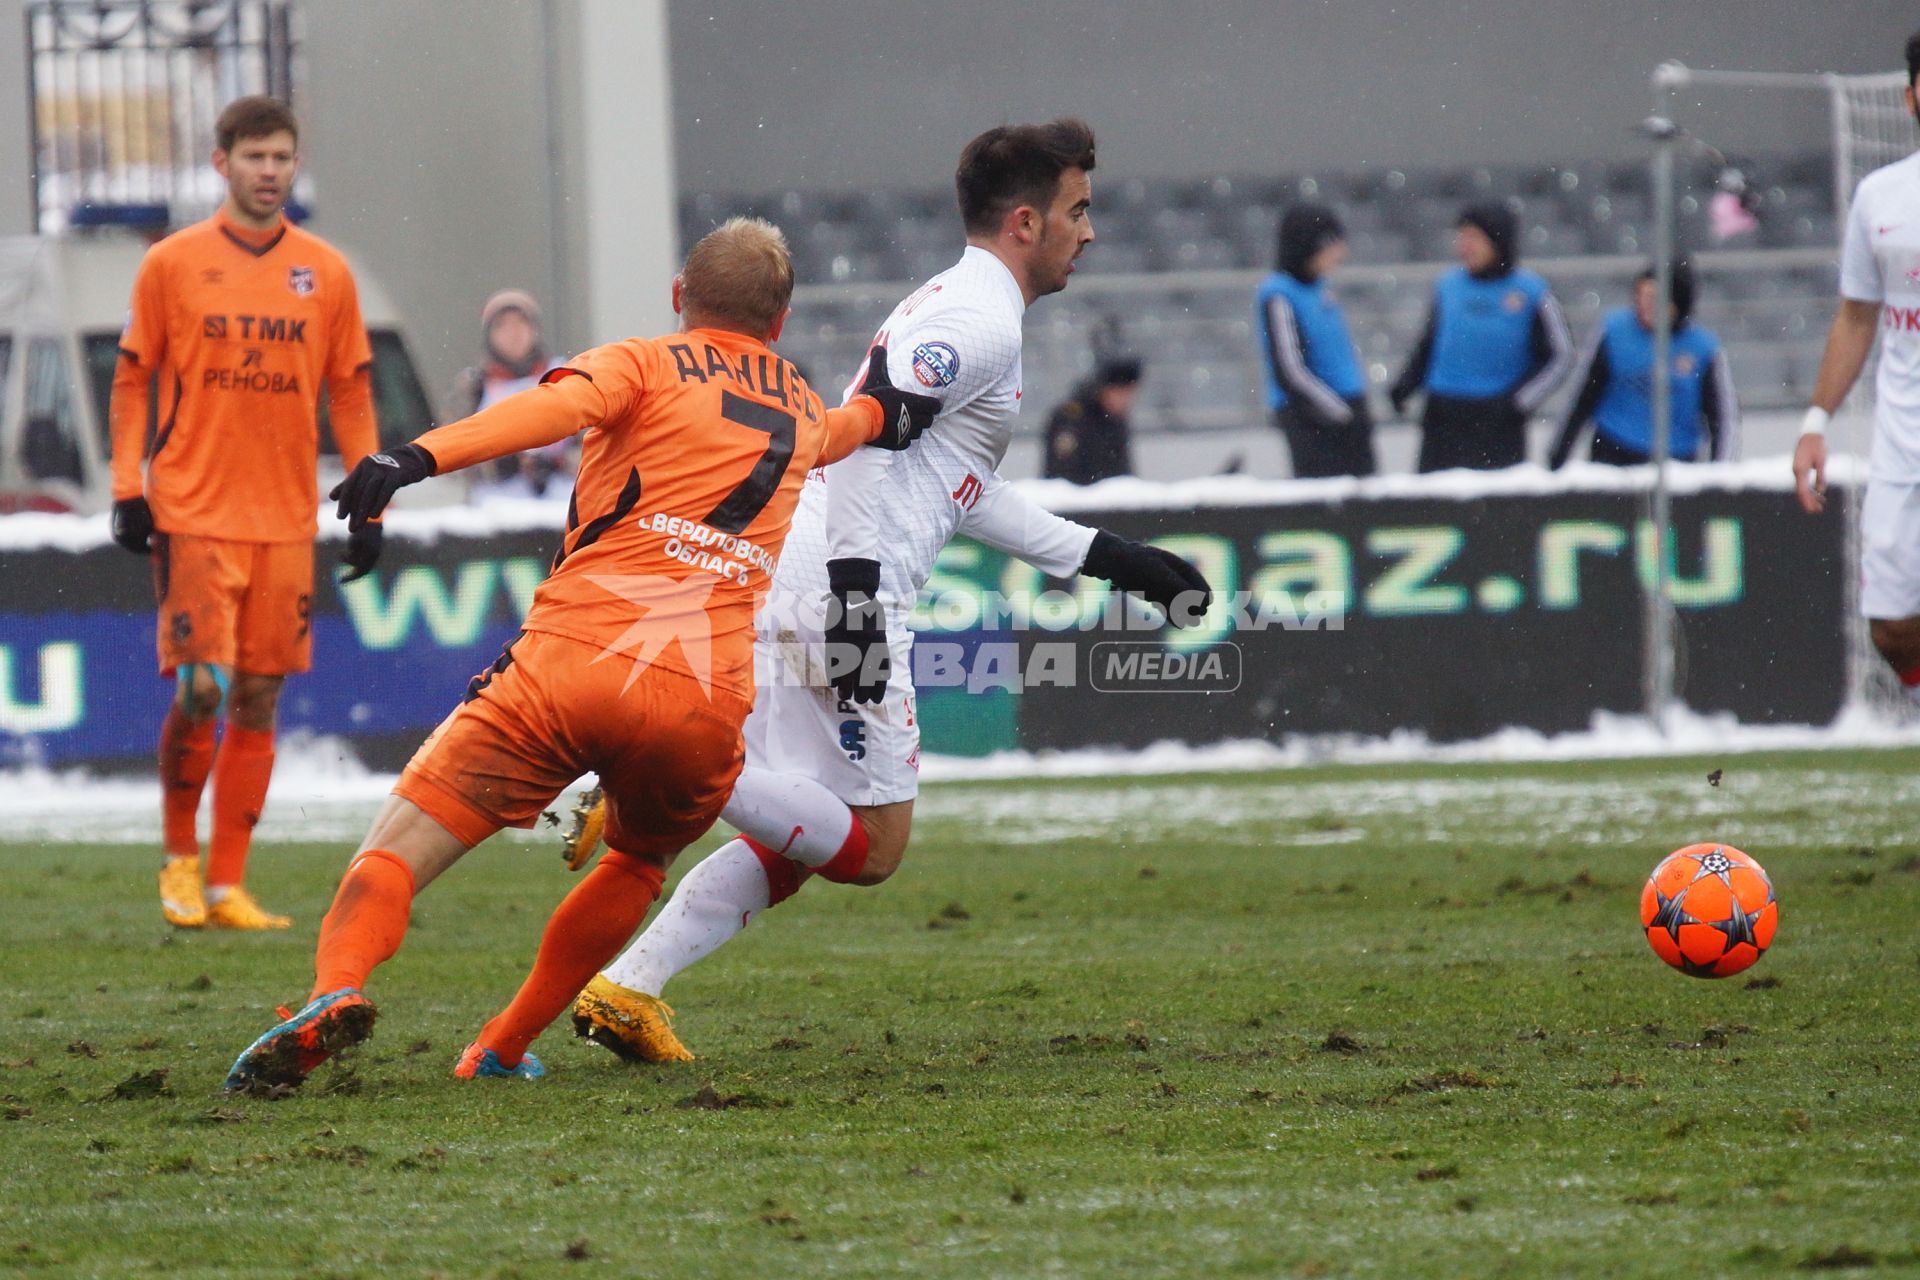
633,1024
238,910
588,826
182,901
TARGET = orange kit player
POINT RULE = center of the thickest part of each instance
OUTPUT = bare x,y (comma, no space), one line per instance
636,659
238,321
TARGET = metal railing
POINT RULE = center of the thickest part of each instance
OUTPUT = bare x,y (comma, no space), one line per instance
1204,372
124,95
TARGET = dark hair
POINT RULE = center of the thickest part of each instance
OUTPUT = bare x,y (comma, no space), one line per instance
1913,57
1018,164
1681,289
1305,229
255,117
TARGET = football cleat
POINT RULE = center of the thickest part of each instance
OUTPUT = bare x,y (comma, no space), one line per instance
238,910
287,1054
632,1024
182,901
588,825
477,1063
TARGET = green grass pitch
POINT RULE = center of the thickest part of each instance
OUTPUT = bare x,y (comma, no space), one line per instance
1384,1021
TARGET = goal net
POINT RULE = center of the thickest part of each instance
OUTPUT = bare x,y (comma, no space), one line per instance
1871,128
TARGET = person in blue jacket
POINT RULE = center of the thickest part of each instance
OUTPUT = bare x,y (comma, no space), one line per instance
1616,393
1315,388
1496,346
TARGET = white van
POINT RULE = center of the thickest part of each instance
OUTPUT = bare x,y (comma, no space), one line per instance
63,303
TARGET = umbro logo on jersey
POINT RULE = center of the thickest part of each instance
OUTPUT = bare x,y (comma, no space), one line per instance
1913,275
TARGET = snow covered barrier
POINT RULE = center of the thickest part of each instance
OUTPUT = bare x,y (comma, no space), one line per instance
1450,606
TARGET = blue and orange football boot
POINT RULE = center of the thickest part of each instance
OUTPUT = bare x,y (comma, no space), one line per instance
477,1063
286,1055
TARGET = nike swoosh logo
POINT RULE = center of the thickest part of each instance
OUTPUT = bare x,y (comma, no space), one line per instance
1891,226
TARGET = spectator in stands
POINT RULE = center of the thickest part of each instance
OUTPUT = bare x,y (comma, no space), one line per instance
1616,394
1315,388
1087,433
515,358
1495,347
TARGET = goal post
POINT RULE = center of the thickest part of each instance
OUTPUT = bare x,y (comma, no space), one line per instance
1871,128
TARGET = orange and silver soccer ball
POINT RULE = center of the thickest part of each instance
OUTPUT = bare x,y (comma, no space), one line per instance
1709,910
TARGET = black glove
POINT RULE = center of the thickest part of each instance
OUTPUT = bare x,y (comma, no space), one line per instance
365,492
363,552
905,413
859,664
133,525
1160,576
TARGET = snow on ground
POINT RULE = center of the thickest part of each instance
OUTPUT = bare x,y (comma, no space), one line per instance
321,793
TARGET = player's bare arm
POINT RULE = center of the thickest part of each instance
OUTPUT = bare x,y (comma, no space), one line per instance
1849,342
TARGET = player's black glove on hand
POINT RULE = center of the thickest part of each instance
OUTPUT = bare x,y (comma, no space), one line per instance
133,525
905,414
363,552
859,663
366,491
1160,576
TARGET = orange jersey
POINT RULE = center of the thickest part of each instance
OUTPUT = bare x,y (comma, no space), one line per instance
243,328
689,474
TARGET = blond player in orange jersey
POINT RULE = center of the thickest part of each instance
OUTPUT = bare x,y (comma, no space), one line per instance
238,321
636,659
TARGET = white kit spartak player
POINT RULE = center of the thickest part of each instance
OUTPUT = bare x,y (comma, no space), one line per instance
833,746
1880,287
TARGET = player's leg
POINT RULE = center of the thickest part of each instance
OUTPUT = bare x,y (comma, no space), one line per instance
1890,576
404,851
492,763
197,584
809,754
668,757
273,640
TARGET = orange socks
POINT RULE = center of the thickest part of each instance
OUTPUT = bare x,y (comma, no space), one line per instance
587,929
368,919
240,774
186,755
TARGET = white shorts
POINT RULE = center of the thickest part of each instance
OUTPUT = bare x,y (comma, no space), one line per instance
1890,551
864,753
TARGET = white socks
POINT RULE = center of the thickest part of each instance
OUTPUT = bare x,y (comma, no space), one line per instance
712,903
792,815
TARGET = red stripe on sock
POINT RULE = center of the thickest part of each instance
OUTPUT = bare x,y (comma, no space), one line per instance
846,865
784,877
1911,676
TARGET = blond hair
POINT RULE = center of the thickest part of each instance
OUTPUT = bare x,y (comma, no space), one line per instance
740,276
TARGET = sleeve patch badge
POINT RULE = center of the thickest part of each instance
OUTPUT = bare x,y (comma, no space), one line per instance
935,364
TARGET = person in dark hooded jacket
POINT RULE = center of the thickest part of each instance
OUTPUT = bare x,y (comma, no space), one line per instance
1496,346
1616,392
1315,387
1087,433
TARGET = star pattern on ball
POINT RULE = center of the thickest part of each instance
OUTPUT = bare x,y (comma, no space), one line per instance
1714,864
1669,914
1738,926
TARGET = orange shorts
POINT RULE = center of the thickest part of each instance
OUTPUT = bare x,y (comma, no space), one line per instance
246,606
554,709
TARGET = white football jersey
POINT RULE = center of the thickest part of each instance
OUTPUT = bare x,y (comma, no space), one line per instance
956,338
1880,262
